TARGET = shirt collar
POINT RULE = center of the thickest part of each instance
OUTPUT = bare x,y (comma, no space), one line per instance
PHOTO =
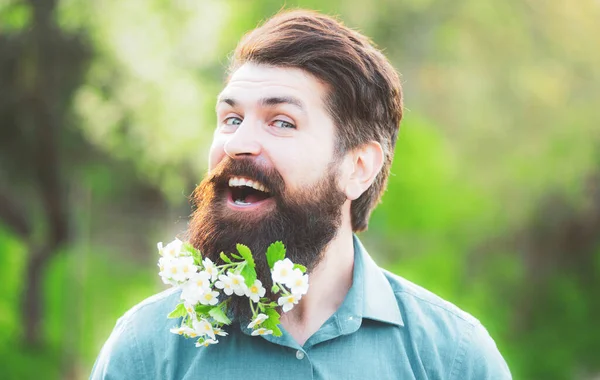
379,301
371,296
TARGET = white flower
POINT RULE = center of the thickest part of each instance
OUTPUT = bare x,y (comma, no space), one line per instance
178,330
219,331
190,309
210,268
237,283
262,331
299,283
163,265
194,289
172,250
209,297
225,283
180,269
206,342
203,328
282,271
255,291
288,302
258,320
184,330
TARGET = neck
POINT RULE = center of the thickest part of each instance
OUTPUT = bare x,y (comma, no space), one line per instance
329,283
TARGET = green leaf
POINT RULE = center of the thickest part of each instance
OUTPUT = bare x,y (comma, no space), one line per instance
301,267
178,312
249,274
203,309
275,252
246,254
190,248
272,323
276,331
219,316
275,289
194,252
237,256
273,315
225,258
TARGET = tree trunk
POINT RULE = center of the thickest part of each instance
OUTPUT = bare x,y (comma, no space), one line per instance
33,297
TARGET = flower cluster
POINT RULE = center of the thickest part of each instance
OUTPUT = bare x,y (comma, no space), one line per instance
201,282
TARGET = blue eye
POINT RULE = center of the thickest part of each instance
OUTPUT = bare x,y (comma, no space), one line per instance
232,121
283,124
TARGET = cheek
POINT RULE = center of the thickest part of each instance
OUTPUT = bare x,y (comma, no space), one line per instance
216,153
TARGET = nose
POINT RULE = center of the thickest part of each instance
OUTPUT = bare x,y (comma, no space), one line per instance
243,142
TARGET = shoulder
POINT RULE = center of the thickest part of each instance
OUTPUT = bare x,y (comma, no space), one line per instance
420,301
448,339
138,336
153,309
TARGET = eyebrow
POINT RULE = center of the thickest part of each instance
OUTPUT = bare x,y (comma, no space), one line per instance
270,102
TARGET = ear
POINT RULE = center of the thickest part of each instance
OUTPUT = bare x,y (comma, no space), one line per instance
366,163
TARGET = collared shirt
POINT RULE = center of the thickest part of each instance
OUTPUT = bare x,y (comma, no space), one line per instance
386,328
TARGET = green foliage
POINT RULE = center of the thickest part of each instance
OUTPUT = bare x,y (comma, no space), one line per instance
14,16
272,323
225,258
246,254
275,252
249,274
218,315
302,268
178,312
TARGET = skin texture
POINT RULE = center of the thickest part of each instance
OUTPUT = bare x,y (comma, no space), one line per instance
277,117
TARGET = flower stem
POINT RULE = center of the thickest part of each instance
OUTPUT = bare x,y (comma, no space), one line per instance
283,290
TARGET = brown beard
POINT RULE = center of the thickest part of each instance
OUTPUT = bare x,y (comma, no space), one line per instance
305,221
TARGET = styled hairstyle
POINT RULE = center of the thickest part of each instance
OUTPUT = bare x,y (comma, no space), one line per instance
364,95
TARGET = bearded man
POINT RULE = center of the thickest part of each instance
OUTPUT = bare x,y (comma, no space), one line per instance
307,125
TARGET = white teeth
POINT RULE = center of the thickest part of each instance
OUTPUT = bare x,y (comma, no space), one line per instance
239,181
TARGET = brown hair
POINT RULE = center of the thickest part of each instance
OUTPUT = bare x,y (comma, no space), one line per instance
364,93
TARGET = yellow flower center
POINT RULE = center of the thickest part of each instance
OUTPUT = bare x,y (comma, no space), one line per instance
200,283
192,334
291,299
254,289
174,270
208,296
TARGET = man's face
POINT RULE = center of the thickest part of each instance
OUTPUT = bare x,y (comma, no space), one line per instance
276,116
273,174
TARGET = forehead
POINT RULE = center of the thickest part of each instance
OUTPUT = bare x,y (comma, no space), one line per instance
252,82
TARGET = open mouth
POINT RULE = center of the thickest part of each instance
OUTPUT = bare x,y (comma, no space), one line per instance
245,193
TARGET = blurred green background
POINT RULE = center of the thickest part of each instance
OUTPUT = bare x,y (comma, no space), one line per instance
107,111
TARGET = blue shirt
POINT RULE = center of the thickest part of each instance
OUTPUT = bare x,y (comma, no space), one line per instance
386,328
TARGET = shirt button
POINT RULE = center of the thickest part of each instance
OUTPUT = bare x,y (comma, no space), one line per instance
299,355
